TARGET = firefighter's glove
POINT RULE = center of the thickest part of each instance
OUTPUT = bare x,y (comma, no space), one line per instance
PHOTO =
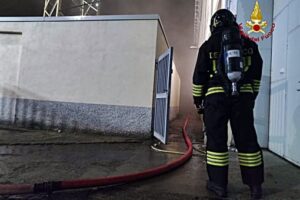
198,101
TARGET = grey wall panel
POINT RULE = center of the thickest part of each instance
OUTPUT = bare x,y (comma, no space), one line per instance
279,51
277,137
279,6
294,17
285,93
277,132
293,98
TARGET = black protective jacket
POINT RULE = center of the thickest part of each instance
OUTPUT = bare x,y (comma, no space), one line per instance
207,80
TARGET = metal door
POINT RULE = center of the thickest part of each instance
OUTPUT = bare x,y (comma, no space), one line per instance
162,95
293,99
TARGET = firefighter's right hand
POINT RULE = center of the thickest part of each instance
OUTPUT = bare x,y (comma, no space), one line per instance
200,109
198,101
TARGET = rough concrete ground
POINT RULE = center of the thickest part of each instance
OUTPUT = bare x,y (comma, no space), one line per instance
33,156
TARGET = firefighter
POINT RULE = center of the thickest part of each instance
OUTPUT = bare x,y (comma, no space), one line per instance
213,90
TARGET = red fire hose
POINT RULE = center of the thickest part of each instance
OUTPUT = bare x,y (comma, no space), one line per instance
48,187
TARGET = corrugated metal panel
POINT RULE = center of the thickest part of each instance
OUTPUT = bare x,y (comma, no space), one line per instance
278,100
277,118
163,82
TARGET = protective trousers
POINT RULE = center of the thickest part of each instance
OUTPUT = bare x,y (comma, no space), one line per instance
220,108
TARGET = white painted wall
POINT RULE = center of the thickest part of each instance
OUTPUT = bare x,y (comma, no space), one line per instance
10,55
101,62
285,93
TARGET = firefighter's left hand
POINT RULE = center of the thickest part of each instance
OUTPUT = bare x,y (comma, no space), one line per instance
198,101
200,109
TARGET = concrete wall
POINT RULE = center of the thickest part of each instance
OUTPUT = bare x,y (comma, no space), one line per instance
285,85
161,46
175,94
177,18
262,108
98,78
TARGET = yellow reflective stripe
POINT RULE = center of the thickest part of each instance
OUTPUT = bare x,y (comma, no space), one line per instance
197,86
197,90
246,88
250,91
217,164
249,158
246,66
218,157
197,95
249,61
215,88
216,160
214,66
213,92
256,84
250,161
249,154
251,165
247,84
217,153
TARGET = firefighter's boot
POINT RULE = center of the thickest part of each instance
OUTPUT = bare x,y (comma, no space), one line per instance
218,190
256,192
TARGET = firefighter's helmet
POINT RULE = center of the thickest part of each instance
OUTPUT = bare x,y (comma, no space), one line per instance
221,19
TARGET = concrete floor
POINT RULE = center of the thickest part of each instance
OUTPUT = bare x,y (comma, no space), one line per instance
37,156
